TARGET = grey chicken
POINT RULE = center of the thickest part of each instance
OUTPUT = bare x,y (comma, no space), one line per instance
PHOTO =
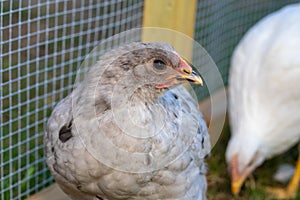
129,130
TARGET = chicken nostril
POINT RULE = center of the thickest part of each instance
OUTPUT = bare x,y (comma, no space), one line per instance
186,71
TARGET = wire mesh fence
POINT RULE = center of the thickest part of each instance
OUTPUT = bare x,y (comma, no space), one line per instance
42,45
43,42
221,24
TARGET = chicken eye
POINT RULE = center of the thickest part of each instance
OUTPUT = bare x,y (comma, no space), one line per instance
159,65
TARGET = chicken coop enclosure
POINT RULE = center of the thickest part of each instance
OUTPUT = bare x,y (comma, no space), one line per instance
43,43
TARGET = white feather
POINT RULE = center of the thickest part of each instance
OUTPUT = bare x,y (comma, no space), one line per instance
264,89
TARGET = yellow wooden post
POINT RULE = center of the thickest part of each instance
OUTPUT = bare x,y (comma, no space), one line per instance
177,15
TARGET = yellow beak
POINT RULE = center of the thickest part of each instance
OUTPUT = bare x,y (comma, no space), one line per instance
187,73
237,179
193,78
236,185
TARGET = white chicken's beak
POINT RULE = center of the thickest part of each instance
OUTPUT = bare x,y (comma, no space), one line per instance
237,178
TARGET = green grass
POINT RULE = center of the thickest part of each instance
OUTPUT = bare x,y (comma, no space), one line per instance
24,184
25,173
30,176
254,187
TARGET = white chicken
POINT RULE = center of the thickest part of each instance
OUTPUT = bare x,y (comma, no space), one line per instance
264,96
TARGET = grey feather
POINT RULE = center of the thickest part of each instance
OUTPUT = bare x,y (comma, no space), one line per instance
91,155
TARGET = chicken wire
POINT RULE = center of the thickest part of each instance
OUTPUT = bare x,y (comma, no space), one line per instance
43,44
221,24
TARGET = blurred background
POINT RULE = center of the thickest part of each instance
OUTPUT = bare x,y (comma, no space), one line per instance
43,43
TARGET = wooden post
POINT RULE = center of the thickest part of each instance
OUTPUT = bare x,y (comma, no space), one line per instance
177,20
